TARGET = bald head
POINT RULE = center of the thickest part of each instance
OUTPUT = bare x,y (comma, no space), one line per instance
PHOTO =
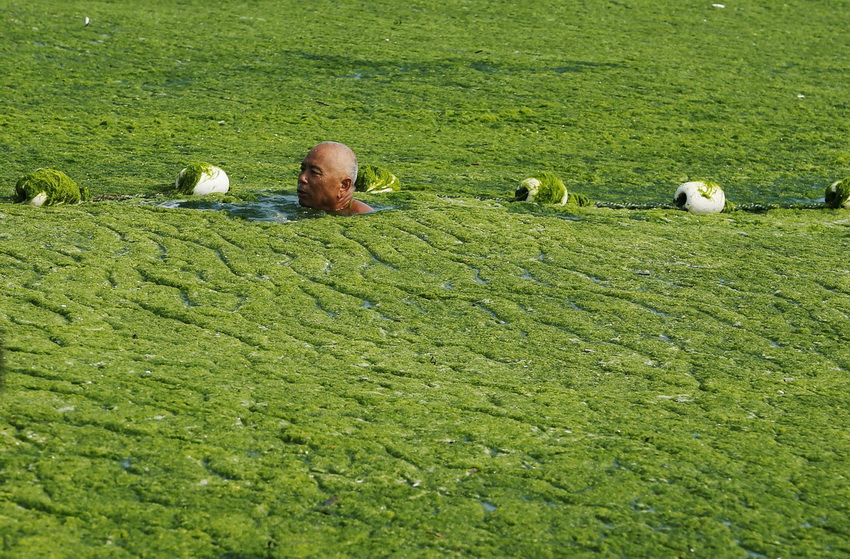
327,178
340,156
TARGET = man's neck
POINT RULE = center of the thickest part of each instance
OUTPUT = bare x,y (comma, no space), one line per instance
344,206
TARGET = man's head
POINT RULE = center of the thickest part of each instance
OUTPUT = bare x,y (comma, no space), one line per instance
326,181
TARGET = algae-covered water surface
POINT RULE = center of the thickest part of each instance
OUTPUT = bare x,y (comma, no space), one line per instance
455,374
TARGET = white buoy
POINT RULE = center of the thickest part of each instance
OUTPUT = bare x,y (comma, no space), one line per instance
38,200
700,197
532,187
201,179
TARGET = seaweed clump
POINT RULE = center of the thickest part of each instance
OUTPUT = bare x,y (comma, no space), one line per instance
374,179
47,187
547,188
837,194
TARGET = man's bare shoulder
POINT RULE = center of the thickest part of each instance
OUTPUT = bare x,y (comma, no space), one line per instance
358,207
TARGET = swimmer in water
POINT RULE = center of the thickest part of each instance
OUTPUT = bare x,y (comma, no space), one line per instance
327,178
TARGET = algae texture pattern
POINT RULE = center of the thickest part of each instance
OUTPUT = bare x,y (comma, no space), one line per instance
459,375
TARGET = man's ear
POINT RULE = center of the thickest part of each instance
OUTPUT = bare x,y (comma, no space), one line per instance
347,184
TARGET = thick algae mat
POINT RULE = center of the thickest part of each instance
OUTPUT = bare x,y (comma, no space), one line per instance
452,378
454,375
623,99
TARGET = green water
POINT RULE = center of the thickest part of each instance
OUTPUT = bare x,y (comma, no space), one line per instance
454,375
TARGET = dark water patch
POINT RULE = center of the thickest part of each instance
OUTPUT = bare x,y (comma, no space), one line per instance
571,66
360,68
486,67
476,276
274,208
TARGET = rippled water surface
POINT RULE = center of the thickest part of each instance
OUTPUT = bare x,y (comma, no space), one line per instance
275,208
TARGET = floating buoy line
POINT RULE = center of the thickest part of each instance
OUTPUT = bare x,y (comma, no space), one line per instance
45,187
752,207
697,197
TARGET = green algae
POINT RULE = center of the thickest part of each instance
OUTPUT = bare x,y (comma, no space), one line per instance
189,177
837,194
489,106
547,188
709,189
627,383
460,377
371,178
577,199
49,187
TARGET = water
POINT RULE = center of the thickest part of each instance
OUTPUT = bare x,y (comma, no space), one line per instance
274,208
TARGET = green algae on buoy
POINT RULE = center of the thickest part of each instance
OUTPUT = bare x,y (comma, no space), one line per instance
374,179
544,188
47,187
700,197
837,194
200,179
547,188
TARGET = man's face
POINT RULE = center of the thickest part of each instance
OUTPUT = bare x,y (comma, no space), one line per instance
320,180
